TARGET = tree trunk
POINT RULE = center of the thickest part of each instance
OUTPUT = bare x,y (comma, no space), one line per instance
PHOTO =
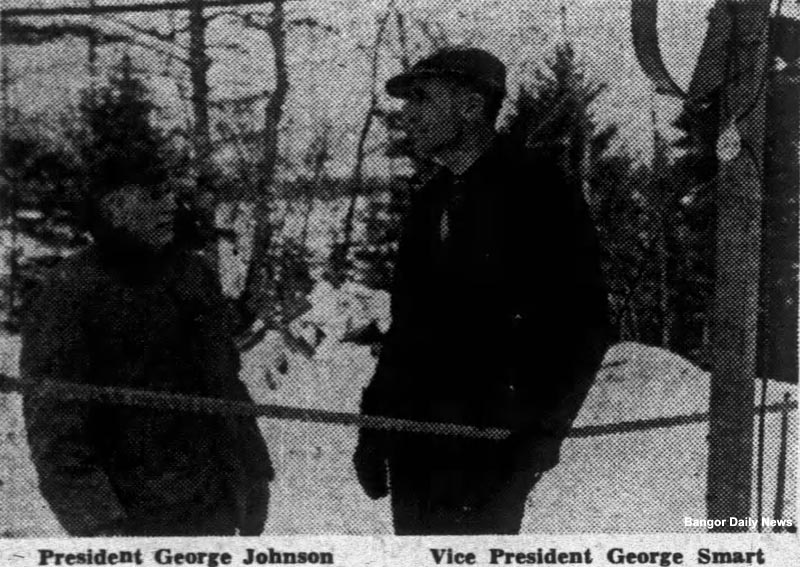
402,37
91,63
274,108
319,169
341,252
198,71
257,291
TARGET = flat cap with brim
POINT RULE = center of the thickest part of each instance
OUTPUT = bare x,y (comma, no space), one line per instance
474,67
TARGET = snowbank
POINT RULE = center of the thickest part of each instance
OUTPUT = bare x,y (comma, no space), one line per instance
338,312
649,481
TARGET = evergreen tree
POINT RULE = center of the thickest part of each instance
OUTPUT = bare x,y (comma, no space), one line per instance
693,177
654,222
120,142
111,140
553,115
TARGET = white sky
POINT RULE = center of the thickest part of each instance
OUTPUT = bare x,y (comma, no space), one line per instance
329,73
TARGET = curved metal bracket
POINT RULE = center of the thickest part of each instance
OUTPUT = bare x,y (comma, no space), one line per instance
644,20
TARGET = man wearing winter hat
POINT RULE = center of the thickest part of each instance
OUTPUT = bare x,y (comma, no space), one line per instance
133,311
499,317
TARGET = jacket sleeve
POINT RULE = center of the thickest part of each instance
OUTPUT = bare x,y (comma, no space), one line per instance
71,477
395,350
566,319
255,455
253,449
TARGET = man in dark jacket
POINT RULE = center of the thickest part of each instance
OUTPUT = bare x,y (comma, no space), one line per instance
132,311
499,312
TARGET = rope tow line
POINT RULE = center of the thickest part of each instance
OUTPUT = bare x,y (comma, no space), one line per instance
217,406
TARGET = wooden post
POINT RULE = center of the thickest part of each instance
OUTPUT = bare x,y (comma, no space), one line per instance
739,199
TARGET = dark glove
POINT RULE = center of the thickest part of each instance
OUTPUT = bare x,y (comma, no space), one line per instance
257,510
533,452
114,528
369,460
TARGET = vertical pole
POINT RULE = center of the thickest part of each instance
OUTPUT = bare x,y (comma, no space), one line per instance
198,70
12,255
562,12
739,196
205,196
780,247
780,483
91,62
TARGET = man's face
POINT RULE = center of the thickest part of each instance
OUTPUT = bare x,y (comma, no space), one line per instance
148,215
433,116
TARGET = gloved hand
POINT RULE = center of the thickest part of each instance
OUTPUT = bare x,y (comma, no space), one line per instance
533,452
257,510
369,460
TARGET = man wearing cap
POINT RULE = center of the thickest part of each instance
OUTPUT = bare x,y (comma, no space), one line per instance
133,311
499,312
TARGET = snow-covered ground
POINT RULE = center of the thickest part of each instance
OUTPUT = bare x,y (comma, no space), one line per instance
646,481
26,246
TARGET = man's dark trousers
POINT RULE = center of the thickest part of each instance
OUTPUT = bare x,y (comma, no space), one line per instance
445,486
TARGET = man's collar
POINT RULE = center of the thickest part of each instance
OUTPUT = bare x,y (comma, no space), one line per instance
495,148
470,159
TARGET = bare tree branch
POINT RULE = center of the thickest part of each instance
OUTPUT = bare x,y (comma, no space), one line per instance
402,36
151,32
274,109
249,20
313,23
123,8
199,63
341,254
377,148
437,37
169,37
222,14
14,32
257,282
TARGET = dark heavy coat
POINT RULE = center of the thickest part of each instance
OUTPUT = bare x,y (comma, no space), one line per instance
107,318
504,323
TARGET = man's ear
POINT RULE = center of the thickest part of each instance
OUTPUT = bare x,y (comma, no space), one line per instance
472,106
112,207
